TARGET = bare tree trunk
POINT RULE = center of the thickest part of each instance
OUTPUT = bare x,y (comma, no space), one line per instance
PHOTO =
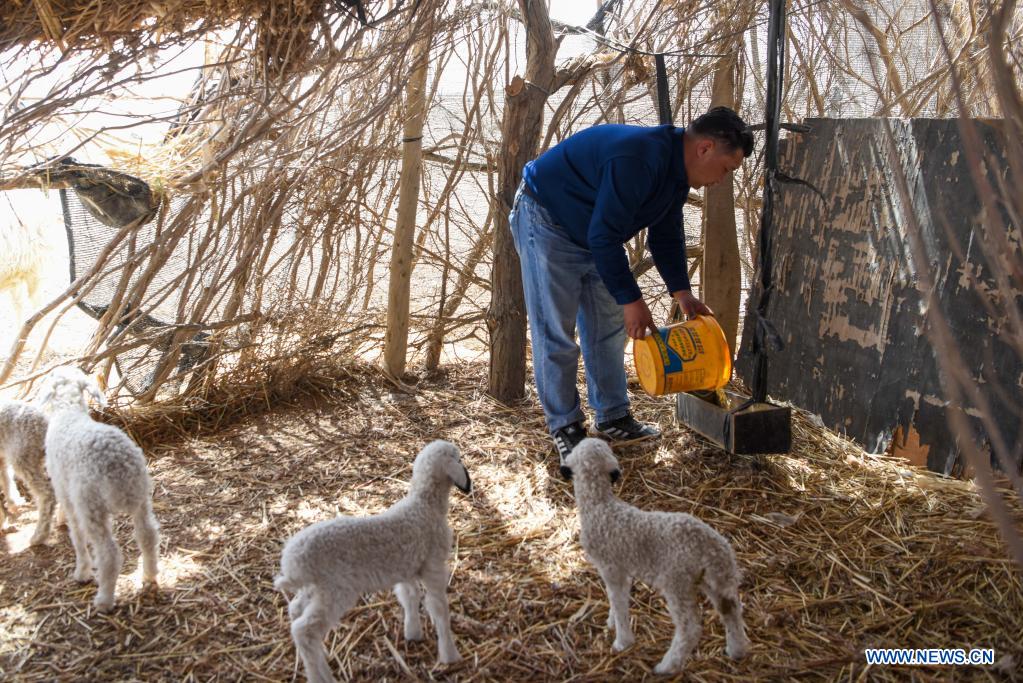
722,270
520,132
396,339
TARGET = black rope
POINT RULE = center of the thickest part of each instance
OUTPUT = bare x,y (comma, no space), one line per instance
663,100
66,211
600,38
596,24
785,178
765,336
794,127
339,5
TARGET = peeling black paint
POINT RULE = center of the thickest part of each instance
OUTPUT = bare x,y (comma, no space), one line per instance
847,303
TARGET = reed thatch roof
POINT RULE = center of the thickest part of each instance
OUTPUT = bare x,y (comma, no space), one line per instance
77,24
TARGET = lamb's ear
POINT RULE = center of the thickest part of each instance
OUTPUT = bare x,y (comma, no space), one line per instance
570,461
92,389
458,475
46,392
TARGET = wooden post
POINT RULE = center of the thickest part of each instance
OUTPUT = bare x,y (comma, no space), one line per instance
520,133
721,275
396,338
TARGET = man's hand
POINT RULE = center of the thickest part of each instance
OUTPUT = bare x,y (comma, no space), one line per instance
689,304
638,319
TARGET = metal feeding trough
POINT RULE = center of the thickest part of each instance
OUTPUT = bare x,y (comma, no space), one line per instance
751,427
737,423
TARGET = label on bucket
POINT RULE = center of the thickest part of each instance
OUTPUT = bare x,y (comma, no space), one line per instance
681,381
685,343
670,357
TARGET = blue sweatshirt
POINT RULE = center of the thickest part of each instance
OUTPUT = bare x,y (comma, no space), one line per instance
605,184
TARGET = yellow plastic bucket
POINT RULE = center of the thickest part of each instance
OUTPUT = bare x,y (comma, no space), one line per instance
688,356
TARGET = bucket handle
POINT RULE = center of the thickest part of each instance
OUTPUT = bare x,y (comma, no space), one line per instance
675,314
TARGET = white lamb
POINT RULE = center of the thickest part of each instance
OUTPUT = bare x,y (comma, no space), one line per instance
328,565
673,552
97,471
23,450
25,254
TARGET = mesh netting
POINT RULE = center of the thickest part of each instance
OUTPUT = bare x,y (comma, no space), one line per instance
143,269
122,256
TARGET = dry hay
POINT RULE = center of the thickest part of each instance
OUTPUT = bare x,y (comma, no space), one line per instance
841,551
88,23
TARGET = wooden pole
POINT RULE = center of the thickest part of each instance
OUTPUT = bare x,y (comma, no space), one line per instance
722,271
396,338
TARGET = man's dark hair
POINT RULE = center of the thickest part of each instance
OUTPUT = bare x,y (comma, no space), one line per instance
724,125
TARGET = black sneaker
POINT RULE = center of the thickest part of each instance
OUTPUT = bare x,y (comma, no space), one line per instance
627,428
565,439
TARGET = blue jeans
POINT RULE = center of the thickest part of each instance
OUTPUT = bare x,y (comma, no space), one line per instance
563,289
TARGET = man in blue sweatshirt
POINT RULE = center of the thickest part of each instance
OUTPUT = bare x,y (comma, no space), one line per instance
577,206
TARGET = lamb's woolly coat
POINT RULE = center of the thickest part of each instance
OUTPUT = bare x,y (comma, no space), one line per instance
97,471
675,553
331,554
23,448
25,250
97,465
328,565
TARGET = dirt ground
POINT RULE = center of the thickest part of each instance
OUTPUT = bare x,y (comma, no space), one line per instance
840,550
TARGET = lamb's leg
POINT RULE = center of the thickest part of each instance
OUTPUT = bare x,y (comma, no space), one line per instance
297,605
685,613
18,294
42,494
729,607
108,557
32,293
147,534
10,490
310,628
618,586
79,541
408,596
435,581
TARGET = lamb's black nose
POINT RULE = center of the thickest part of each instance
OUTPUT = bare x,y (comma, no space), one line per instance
615,476
468,482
